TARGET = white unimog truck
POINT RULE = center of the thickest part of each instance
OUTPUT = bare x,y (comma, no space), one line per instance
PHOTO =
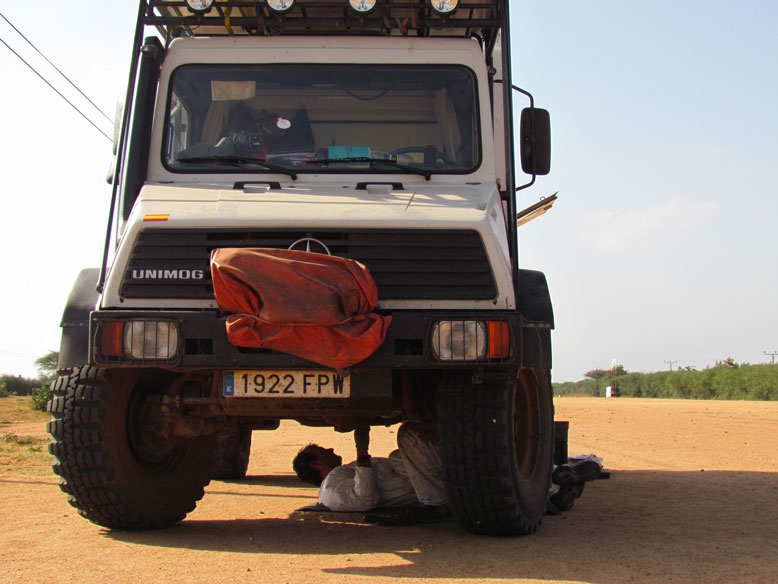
375,130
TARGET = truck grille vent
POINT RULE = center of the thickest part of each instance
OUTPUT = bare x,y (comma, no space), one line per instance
405,264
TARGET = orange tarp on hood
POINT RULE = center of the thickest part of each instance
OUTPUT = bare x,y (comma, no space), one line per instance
314,306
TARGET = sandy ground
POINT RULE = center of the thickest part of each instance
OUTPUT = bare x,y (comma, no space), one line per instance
693,498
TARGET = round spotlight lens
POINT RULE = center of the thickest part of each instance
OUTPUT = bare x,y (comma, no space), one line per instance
199,6
280,5
362,6
444,6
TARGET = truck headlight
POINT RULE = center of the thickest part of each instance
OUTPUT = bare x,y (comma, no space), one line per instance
150,339
459,340
470,340
139,340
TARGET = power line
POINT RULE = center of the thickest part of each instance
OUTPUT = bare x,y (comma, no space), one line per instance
83,115
670,363
772,356
29,42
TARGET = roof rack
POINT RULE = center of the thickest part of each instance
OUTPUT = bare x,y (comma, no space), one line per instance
479,18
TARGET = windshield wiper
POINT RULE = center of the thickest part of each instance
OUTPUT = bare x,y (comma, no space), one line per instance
373,161
237,161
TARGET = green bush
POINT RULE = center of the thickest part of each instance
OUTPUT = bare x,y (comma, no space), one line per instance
41,397
727,380
18,385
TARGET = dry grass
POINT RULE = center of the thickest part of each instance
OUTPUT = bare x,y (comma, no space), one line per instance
23,450
17,410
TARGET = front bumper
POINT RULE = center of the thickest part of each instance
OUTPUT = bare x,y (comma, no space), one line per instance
204,345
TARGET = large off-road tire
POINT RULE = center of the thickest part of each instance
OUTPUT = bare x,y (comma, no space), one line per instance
232,455
497,443
114,471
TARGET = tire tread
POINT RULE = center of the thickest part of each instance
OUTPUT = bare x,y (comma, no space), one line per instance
474,422
82,457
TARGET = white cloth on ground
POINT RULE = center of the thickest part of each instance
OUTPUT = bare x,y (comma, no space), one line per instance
359,488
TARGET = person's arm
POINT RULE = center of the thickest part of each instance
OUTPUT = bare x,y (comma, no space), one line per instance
362,442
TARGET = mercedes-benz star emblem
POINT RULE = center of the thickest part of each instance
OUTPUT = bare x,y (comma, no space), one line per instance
310,244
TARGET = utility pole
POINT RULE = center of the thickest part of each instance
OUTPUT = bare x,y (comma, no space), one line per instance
772,356
670,363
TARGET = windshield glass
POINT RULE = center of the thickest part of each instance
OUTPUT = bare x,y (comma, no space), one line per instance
322,118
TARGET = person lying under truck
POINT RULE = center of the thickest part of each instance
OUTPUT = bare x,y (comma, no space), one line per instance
411,477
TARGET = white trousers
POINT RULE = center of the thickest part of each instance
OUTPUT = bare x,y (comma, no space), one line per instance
420,462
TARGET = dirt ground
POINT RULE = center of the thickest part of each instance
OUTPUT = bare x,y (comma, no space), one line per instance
693,498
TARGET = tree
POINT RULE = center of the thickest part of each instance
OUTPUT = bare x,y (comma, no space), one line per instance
728,363
47,365
18,385
596,374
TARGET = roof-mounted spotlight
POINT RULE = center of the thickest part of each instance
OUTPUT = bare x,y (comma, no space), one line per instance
444,7
199,6
280,6
362,6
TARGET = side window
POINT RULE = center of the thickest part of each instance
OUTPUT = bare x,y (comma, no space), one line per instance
178,127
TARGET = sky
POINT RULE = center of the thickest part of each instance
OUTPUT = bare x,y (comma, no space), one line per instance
659,253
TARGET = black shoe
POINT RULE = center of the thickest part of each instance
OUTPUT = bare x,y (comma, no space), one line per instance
564,475
575,475
588,470
563,499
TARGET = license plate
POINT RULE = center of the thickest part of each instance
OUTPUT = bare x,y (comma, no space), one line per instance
279,384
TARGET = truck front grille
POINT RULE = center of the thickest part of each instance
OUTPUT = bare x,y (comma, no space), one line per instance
405,264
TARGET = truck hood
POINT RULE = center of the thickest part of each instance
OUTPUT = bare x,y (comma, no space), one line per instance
301,205
311,206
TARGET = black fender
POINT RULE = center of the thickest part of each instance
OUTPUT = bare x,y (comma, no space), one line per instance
74,347
537,319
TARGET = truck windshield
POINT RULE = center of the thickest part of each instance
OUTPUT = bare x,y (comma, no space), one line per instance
322,118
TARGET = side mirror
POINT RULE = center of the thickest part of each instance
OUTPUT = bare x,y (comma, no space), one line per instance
535,145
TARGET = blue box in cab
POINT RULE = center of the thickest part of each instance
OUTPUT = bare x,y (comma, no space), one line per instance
348,152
